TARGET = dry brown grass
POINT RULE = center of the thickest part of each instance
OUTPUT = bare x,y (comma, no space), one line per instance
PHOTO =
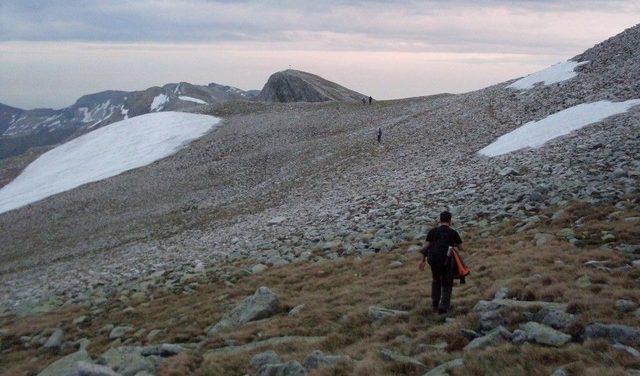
347,287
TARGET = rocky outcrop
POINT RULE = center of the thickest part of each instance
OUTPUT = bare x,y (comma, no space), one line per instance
297,86
262,304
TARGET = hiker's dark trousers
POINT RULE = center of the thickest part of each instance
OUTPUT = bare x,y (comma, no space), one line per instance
441,286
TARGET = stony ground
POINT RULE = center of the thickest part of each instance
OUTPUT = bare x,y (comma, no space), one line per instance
534,304
283,185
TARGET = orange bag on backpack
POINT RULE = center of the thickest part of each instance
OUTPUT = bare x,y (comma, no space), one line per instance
461,270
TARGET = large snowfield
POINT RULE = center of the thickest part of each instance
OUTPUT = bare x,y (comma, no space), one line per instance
555,73
535,133
103,153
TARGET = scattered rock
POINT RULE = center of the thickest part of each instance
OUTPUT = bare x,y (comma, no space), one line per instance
497,304
90,369
395,264
66,365
518,336
379,314
170,349
442,369
560,371
624,305
394,357
262,304
292,368
257,268
490,320
628,349
508,171
55,339
502,293
627,335
276,221
119,331
263,358
494,337
296,310
559,320
317,359
544,335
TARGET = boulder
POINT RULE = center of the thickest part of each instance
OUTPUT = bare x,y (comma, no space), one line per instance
127,360
490,320
276,221
626,335
624,305
66,365
262,304
544,335
394,357
292,368
380,314
493,338
169,349
90,369
55,339
267,357
317,359
119,331
442,369
518,336
559,320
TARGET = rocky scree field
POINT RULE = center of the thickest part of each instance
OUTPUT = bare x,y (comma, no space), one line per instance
290,188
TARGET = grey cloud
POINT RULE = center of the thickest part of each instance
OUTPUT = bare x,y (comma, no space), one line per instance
360,25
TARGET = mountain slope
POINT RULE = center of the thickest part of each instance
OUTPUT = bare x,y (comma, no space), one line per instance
297,86
287,182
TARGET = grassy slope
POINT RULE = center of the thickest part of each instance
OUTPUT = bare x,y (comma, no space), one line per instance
349,286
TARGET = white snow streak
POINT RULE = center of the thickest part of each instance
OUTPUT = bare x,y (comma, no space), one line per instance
103,153
192,99
535,133
555,73
158,102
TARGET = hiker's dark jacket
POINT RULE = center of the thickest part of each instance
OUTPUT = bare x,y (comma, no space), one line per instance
440,239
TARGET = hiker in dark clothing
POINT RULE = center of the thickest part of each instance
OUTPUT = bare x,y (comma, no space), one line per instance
379,134
364,101
438,254
370,99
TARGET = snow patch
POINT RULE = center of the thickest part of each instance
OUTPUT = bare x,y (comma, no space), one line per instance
555,73
191,99
158,102
535,133
103,153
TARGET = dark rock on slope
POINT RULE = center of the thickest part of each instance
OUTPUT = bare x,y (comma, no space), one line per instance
297,86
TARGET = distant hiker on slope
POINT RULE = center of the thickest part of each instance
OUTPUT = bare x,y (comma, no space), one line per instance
379,134
370,99
364,101
438,252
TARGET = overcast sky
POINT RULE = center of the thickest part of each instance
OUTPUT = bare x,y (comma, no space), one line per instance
52,52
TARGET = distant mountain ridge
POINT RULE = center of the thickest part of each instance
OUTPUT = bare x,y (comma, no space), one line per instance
22,129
